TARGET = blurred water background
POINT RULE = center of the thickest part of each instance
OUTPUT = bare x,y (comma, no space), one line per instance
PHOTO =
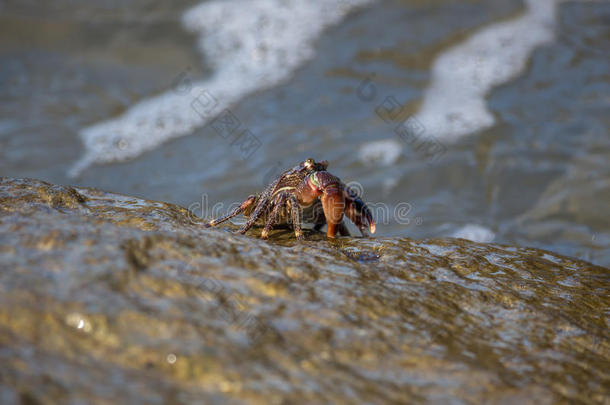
482,119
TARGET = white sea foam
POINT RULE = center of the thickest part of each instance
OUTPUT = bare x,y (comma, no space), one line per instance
386,152
454,104
475,233
251,45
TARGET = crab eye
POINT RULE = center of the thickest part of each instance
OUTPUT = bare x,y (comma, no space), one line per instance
309,163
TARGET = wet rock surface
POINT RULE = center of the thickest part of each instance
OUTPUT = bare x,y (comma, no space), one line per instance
106,298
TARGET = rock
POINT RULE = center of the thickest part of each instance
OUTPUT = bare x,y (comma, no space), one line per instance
108,298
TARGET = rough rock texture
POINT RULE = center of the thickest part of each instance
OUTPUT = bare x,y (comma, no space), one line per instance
107,298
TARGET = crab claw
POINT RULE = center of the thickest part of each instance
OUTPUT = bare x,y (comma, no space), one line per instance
333,205
357,211
330,190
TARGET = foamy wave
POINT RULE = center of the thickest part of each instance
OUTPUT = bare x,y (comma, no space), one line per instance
454,104
251,44
386,152
475,233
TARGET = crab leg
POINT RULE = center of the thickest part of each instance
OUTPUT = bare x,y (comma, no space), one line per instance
247,204
275,213
296,214
263,200
260,208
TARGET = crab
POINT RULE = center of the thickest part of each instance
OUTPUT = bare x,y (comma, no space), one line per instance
305,193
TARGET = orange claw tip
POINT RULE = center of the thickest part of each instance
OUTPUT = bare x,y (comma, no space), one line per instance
372,227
